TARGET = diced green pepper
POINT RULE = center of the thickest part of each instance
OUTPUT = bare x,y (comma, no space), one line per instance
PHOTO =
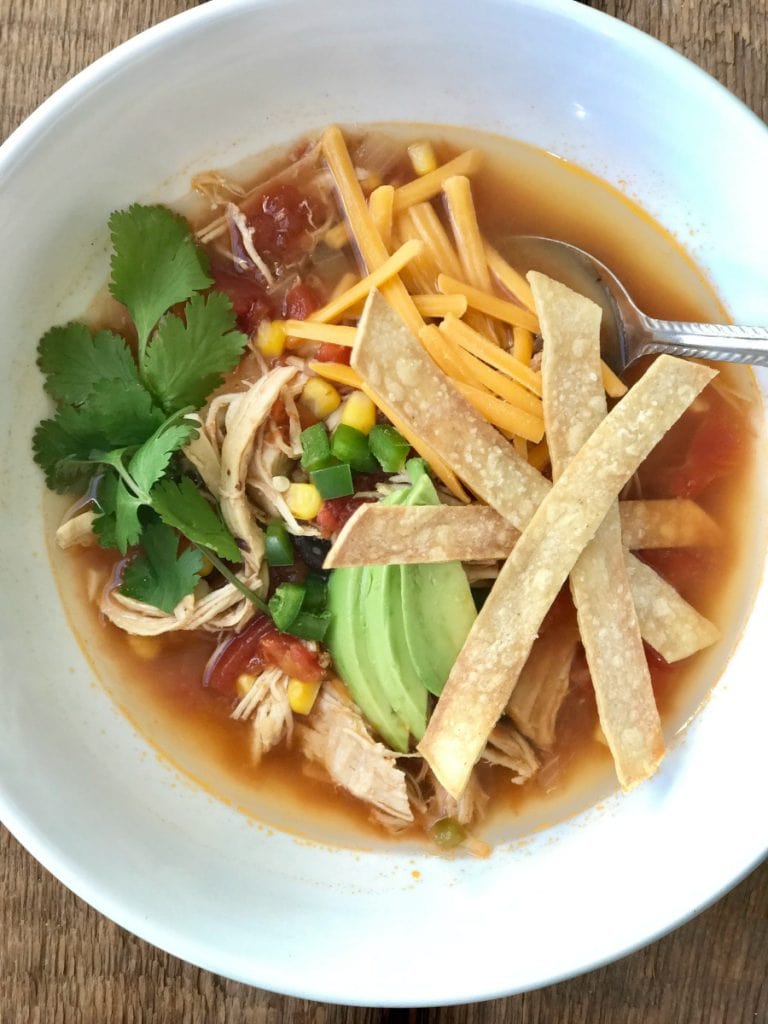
285,604
315,448
310,625
333,482
278,548
351,445
316,593
389,447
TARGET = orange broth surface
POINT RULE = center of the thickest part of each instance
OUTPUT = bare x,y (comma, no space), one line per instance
709,456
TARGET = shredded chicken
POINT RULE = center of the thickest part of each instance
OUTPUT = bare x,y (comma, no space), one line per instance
77,530
336,737
211,610
267,706
245,414
508,748
468,808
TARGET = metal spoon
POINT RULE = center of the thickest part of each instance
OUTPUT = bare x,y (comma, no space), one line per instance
626,333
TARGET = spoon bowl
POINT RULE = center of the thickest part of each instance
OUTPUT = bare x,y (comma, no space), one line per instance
626,333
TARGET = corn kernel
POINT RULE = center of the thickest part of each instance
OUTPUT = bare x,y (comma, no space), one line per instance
244,683
359,412
270,338
303,500
320,397
302,696
146,647
423,159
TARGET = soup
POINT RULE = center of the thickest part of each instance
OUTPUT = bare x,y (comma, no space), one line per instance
213,606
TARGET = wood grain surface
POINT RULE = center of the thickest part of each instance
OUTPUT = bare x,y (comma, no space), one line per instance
62,963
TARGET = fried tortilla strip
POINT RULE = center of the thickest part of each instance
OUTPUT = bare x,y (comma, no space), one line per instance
373,536
388,535
667,523
398,369
668,623
574,406
489,665
543,684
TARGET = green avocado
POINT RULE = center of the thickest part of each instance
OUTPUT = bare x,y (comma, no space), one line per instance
437,607
396,630
346,641
392,668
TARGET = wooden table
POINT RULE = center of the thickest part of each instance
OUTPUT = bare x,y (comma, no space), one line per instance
62,963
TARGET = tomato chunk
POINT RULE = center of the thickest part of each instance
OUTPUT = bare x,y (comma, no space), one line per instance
300,301
328,353
335,512
248,297
259,645
281,221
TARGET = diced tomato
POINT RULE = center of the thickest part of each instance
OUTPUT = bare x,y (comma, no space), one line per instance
328,353
291,656
259,645
335,512
281,221
300,301
714,452
248,297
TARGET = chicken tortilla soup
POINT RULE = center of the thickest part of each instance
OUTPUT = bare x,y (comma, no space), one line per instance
352,492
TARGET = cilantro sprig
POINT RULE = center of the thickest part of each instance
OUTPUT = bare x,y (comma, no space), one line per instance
122,418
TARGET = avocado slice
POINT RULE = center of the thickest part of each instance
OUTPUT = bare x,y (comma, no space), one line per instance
347,642
393,670
396,630
437,607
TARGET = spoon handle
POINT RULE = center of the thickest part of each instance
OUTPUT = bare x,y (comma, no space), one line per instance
719,342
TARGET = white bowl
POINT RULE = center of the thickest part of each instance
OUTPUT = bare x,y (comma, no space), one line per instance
120,828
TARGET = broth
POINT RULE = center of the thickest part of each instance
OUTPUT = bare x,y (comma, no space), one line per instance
519,190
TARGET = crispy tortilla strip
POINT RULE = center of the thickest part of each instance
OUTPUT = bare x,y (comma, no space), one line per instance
388,535
543,684
667,523
421,534
668,623
430,408
488,666
574,406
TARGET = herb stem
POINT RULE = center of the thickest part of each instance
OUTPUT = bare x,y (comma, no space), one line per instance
231,578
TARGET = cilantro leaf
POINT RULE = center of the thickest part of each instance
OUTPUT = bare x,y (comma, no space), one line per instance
155,264
114,416
183,506
75,362
144,469
185,361
105,504
159,575
65,462
151,460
